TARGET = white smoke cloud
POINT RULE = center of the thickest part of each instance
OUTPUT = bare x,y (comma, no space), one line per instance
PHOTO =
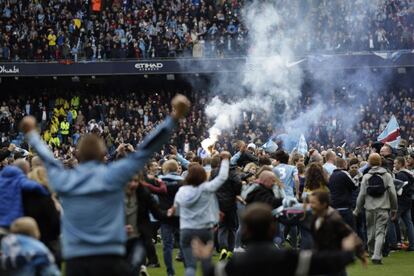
268,76
272,76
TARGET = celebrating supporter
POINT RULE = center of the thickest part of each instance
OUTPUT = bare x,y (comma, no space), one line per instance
341,187
378,197
404,196
328,228
170,228
97,245
196,205
227,200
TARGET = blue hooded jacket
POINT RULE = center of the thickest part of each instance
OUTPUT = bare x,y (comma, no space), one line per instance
12,183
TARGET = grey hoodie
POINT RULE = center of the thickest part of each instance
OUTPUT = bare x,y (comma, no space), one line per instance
198,206
388,201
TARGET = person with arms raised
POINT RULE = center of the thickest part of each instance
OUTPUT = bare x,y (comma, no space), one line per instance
92,195
197,206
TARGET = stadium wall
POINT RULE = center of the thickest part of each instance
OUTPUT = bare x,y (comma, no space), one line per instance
404,58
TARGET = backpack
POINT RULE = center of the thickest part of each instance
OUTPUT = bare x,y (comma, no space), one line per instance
376,186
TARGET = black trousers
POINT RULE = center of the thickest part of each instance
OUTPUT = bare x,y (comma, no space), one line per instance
103,265
146,234
227,230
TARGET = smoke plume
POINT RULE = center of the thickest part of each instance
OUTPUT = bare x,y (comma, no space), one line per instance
271,80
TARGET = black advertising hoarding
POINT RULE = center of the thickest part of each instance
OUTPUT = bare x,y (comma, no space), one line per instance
185,66
117,67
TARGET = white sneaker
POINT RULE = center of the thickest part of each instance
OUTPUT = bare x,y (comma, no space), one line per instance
143,271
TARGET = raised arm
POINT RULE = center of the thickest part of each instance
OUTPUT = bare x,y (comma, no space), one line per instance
235,158
54,168
184,162
120,172
214,184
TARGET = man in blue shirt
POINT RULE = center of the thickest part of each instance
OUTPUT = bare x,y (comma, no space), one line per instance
92,195
288,174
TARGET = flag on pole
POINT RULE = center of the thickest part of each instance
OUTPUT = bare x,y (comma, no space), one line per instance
302,146
391,133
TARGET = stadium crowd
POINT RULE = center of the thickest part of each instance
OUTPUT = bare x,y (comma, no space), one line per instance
96,155
70,30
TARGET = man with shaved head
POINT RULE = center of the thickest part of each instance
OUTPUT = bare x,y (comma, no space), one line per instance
264,190
329,166
13,181
377,195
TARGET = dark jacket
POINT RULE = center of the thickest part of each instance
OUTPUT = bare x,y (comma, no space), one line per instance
226,194
173,182
331,232
245,158
264,195
404,200
147,205
341,186
266,260
43,210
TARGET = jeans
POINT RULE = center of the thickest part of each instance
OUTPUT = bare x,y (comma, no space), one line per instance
167,237
361,228
306,239
393,235
240,209
348,217
227,230
186,236
405,216
292,231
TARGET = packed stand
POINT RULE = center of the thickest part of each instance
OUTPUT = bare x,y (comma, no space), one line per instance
54,30
122,118
70,30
